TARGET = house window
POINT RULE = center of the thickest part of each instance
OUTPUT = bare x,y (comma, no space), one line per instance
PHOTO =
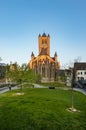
78,78
84,72
81,72
43,71
78,73
82,78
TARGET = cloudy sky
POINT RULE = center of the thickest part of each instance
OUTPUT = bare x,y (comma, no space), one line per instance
21,21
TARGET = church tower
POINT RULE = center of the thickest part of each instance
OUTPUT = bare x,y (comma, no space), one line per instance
44,44
44,64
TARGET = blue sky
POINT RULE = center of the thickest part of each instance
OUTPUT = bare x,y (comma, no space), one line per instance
21,21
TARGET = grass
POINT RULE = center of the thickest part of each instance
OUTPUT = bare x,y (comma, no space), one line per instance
41,109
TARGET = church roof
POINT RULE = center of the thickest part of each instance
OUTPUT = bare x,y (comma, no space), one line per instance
43,51
44,57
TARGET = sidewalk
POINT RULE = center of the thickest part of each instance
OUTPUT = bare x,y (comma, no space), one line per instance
5,89
39,86
80,90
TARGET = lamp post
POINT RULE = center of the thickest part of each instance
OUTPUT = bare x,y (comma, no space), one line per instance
6,75
72,81
72,108
20,80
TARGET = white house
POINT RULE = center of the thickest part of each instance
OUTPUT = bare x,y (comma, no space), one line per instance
80,71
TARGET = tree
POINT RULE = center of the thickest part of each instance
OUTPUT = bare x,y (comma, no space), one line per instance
38,78
27,75
22,74
12,75
63,77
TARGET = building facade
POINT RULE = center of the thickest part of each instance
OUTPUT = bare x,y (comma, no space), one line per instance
2,72
44,64
80,71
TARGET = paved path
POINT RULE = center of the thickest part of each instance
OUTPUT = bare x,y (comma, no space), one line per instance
80,90
5,89
39,86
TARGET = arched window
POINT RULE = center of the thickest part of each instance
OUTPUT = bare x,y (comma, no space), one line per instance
42,41
45,41
43,71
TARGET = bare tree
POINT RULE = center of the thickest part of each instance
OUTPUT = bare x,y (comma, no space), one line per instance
78,59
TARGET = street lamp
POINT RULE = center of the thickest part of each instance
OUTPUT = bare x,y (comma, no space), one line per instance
72,83
72,108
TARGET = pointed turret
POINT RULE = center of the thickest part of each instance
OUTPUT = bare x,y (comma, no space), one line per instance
44,35
55,56
32,55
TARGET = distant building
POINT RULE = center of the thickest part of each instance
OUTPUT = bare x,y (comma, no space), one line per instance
80,71
2,71
44,64
12,66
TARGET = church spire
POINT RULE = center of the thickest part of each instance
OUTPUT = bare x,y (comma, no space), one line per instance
44,35
32,55
55,55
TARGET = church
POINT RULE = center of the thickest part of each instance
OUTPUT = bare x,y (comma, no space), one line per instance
44,64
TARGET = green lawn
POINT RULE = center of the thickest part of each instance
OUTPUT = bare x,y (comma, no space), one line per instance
41,109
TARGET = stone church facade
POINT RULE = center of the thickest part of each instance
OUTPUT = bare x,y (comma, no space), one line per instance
44,64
